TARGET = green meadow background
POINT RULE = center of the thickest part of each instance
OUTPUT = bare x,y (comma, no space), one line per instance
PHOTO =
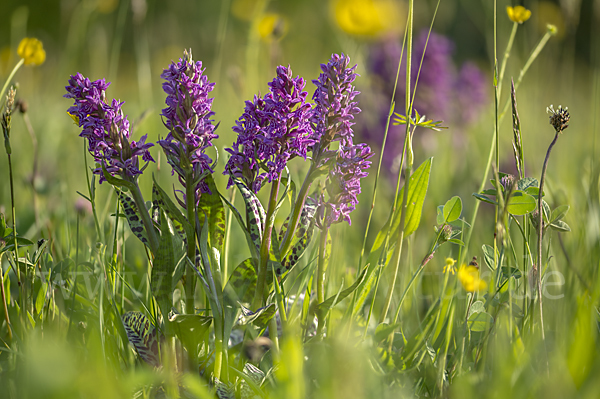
130,42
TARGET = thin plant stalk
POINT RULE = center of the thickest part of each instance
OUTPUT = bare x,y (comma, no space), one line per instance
265,246
4,305
409,164
540,229
286,243
321,268
12,74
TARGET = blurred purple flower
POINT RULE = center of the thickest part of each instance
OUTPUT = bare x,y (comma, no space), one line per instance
333,117
106,129
271,131
188,118
441,93
471,87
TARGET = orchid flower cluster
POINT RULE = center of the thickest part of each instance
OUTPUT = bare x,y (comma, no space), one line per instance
188,118
272,130
106,129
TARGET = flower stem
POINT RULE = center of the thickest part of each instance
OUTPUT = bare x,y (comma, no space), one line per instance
321,268
298,205
540,231
190,201
265,246
9,329
12,74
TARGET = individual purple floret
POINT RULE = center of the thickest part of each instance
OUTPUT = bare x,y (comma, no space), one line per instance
188,118
343,185
106,129
334,112
271,131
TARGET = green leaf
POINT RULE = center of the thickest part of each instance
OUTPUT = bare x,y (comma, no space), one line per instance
212,206
251,245
335,299
558,213
520,203
383,331
456,241
255,214
560,226
143,336
242,282
134,218
419,181
260,318
190,329
476,307
162,202
488,256
452,209
484,199
478,321
511,272
162,269
302,237
526,183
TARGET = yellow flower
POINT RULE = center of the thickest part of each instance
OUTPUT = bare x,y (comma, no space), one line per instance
449,266
469,278
368,17
518,14
32,51
272,27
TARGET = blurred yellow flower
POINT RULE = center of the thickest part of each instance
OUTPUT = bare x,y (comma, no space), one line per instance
518,14
32,51
272,27
469,278
449,266
368,17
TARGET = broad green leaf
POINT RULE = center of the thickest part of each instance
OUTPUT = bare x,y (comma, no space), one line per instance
526,183
302,238
478,321
164,264
255,214
456,241
143,336
242,281
452,209
212,206
162,202
251,245
521,203
133,216
260,318
224,390
476,307
190,329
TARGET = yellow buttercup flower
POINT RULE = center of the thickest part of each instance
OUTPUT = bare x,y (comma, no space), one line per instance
449,266
518,14
32,51
367,17
469,278
272,27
